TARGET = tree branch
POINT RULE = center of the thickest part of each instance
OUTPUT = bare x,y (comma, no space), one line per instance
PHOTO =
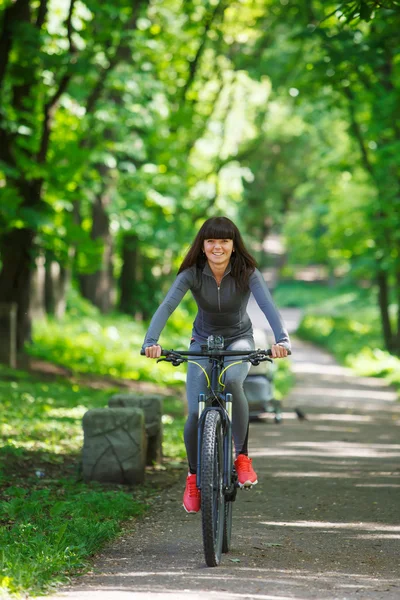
42,12
70,30
51,105
19,11
194,64
356,129
118,56
199,132
49,110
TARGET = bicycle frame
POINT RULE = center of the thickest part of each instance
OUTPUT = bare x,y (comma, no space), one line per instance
177,357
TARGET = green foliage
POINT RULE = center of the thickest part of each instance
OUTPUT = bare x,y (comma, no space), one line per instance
354,341
305,294
356,10
283,380
278,115
344,319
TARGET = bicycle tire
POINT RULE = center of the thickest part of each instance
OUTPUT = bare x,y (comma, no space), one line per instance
212,497
228,509
226,538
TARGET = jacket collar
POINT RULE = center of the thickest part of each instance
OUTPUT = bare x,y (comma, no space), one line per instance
207,270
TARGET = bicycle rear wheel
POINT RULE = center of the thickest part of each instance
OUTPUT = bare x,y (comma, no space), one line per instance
212,497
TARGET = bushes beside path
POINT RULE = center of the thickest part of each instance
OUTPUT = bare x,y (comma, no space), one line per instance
343,319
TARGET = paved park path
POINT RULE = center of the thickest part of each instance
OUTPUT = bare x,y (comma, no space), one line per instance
323,523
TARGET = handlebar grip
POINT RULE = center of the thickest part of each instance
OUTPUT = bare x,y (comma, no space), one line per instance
143,353
269,352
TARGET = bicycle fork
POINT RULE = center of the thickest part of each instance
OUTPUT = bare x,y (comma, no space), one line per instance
228,442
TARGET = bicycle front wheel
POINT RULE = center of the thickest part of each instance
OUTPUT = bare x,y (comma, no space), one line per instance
212,497
229,500
226,539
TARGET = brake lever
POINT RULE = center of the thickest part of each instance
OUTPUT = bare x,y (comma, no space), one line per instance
258,359
173,359
177,361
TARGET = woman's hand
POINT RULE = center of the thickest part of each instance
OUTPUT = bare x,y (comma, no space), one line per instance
153,351
278,351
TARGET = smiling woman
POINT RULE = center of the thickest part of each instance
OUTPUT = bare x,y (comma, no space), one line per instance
221,274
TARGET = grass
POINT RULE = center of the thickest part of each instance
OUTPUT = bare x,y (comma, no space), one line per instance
345,320
50,528
89,342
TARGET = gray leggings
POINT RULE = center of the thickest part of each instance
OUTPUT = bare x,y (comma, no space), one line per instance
233,379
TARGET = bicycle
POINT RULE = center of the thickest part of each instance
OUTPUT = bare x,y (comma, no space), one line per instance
216,475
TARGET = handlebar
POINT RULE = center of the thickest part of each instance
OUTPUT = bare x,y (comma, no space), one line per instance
177,357
213,353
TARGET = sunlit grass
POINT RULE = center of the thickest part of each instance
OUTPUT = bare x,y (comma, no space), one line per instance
108,346
346,321
86,341
48,532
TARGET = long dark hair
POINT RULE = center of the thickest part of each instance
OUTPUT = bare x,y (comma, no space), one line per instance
221,228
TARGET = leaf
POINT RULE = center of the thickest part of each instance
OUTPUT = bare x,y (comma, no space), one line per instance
61,533
271,544
235,560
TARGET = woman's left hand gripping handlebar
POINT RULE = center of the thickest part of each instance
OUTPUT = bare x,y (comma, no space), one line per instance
278,351
153,351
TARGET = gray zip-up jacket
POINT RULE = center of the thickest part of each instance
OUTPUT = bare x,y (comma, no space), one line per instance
221,309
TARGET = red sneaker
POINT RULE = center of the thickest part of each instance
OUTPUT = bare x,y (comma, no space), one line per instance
245,472
191,496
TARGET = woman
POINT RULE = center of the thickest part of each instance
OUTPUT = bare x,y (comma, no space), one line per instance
220,273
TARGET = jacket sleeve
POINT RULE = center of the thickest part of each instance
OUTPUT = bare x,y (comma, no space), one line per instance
262,295
181,285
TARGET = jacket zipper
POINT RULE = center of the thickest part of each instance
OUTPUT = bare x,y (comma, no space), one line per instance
218,289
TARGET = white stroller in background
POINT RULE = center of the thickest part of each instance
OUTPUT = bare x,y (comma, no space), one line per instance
259,385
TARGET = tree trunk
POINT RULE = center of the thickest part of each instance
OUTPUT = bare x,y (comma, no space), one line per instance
129,273
383,300
14,13
137,283
37,303
98,287
56,285
396,342
15,278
